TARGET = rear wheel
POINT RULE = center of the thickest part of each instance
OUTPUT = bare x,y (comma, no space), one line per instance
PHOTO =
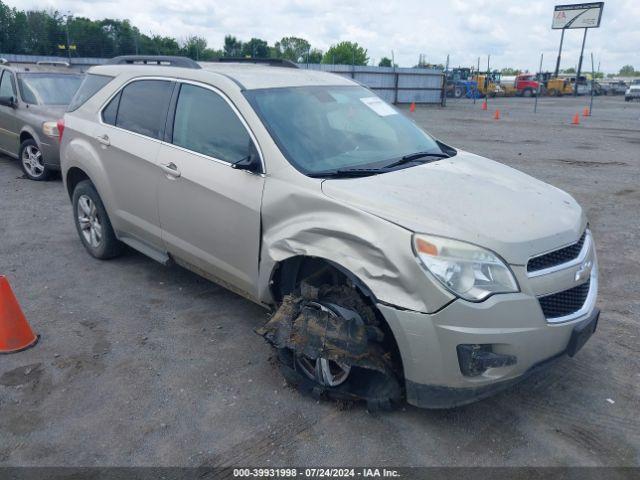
93,224
32,161
458,92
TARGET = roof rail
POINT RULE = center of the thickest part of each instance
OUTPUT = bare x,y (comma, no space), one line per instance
274,62
163,60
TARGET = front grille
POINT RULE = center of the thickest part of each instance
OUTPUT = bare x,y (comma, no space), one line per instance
557,257
565,302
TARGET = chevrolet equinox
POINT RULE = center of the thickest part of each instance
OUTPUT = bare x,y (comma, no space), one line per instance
396,266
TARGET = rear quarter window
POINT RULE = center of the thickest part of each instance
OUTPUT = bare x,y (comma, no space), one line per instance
91,85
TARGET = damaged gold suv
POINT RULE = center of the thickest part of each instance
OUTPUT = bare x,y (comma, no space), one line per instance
397,266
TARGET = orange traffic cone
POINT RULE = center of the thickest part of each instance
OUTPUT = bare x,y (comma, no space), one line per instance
15,332
585,112
412,108
484,105
576,120
496,116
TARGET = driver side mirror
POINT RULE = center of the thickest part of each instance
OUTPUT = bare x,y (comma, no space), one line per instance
8,102
251,162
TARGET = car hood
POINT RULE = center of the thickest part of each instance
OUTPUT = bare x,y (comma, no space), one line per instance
470,198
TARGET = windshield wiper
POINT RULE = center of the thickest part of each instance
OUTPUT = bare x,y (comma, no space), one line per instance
415,156
365,172
346,172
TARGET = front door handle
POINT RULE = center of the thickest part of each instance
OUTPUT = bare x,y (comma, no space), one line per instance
170,169
104,140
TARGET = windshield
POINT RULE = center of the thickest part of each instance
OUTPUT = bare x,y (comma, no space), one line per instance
48,88
324,128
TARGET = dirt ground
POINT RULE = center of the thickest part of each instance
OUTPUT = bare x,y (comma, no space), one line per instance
145,365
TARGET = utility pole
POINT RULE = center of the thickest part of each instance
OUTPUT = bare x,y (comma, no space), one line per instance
68,42
475,94
444,83
535,105
593,79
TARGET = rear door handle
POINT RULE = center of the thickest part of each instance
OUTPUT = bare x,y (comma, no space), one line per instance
170,169
104,140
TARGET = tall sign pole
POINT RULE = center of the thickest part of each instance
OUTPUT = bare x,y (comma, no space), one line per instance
555,74
579,15
584,39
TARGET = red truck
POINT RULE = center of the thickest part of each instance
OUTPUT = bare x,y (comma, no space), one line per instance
526,85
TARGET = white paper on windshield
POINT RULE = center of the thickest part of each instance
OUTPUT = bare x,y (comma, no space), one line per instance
379,106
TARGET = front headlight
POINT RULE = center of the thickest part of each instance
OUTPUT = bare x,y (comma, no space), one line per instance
468,271
50,129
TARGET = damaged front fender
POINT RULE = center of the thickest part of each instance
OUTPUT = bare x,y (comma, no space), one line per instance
302,221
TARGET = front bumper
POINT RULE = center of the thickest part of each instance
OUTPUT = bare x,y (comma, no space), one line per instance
512,324
50,149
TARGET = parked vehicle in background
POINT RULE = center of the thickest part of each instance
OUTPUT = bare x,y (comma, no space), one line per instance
632,93
459,83
618,87
526,85
523,85
489,84
583,85
394,262
32,99
554,86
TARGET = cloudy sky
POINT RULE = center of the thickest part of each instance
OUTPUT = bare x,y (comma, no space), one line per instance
513,32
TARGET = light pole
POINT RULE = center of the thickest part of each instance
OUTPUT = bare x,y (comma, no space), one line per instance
67,29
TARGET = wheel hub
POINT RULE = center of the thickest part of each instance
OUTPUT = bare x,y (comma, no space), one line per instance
32,161
89,221
326,372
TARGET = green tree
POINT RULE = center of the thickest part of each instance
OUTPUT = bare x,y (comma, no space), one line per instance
232,46
255,48
292,48
194,47
627,71
346,53
385,62
510,71
314,56
569,70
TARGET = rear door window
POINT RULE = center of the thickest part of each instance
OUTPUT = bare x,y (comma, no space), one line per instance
143,107
205,123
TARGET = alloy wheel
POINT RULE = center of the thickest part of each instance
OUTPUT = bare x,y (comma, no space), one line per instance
32,161
326,372
89,221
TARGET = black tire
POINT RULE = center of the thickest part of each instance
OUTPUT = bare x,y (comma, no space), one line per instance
527,93
458,92
32,161
381,391
108,245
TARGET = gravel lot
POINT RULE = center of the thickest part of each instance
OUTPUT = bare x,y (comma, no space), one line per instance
145,365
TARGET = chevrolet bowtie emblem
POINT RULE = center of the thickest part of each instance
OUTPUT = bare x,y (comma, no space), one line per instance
584,271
